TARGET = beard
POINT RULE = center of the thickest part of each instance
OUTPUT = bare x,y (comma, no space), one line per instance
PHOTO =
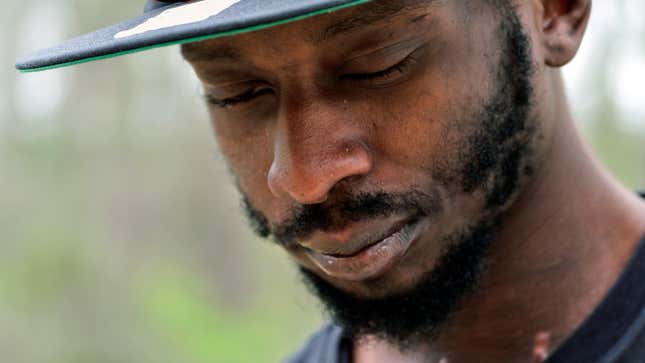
416,314
491,159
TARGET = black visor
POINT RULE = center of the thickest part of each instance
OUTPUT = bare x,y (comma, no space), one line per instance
175,22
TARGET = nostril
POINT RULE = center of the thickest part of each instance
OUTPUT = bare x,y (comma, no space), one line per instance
303,186
306,200
308,175
274,179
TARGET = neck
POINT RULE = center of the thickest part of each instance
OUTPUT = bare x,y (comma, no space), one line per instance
561,246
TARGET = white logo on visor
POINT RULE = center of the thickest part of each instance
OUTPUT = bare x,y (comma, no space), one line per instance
180,15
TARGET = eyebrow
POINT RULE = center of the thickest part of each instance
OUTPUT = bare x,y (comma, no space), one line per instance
379,11
193,53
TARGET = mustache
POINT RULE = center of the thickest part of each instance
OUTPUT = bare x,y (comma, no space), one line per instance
333,216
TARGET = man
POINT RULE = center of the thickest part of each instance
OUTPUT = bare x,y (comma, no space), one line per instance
418,161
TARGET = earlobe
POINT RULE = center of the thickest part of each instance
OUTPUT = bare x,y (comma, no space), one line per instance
563,26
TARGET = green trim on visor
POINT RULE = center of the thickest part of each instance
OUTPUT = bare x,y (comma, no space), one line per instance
198,38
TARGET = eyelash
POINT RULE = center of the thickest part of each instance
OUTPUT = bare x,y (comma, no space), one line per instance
244,97
385,74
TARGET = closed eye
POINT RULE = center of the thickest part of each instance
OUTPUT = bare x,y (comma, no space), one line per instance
381,78
399,69
246,96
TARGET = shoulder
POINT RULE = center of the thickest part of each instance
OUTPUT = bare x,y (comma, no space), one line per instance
321,347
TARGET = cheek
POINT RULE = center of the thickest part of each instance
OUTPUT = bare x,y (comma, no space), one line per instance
428,120
431,118
248,154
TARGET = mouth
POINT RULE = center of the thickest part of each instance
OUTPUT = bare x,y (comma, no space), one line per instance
371,258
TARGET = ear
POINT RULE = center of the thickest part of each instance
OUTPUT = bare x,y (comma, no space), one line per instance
563,25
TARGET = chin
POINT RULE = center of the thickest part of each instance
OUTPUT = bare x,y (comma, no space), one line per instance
423,295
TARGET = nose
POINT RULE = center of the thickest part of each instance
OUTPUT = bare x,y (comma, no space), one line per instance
315,147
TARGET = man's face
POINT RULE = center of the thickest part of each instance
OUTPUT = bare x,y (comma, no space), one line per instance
379,146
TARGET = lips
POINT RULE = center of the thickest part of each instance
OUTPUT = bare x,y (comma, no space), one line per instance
353,240
370,255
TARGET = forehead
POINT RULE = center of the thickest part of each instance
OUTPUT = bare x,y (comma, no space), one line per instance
315,31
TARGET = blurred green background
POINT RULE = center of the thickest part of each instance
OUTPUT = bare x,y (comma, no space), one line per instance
120,230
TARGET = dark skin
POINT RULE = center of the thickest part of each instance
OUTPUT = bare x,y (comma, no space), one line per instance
299,123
